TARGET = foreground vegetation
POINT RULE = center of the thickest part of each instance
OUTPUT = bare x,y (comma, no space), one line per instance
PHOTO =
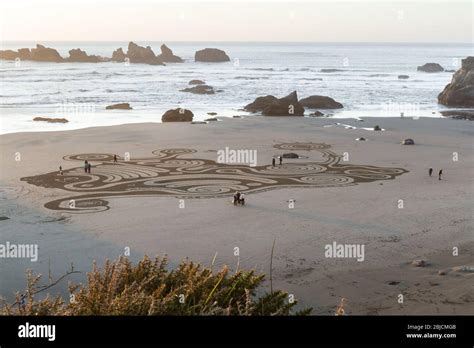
150,288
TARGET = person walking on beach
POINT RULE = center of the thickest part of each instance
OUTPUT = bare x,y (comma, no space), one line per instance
273,162
60,170
439,174
86,166
430,171
115,159
281,159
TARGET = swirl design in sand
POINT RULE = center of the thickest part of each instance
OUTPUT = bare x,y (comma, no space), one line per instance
168,174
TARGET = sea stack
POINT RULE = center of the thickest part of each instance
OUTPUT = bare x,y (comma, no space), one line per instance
211,55
460,92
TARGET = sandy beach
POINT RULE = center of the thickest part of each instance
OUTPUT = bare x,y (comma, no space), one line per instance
433,217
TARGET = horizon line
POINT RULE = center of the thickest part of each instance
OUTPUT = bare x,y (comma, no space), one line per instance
243,41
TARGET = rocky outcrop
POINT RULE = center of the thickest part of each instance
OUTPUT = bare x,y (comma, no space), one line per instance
45,54
9,55
272,106
260,103
120,106
167,55
320,102
211,55
177,115
140,54
460,92
197,82
287,106
459,114
199,89
118,55
51,120
430,68
38,54
80,56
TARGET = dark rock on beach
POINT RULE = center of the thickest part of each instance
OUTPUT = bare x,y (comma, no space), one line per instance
167,55
120,106
317,114
430,68
177,115
320,102
212,55
403,77
199,89
51,120
290,155
272,106
460,92
408,142
459,114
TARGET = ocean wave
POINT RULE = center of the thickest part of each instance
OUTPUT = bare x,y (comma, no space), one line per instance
260,69
251,77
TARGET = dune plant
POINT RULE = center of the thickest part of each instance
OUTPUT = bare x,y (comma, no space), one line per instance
151,288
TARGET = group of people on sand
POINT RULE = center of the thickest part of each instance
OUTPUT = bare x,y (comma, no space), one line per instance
239,198
280,158
440,173
87,166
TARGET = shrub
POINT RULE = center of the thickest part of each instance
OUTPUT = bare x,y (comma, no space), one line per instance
149,288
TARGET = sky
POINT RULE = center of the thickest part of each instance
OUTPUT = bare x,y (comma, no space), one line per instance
231,20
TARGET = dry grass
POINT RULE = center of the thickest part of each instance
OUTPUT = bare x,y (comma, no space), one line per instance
149,288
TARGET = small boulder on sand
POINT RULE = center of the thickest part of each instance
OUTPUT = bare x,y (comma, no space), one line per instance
290,155
408,142
403,77
317,114
120,106
419,263
177,115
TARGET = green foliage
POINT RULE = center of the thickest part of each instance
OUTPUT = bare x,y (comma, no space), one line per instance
149,288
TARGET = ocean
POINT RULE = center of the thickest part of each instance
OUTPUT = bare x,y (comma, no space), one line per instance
363,77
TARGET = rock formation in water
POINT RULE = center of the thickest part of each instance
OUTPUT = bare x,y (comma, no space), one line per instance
272,106
167,55
460,92
80,56
430,68
320,102
212,55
